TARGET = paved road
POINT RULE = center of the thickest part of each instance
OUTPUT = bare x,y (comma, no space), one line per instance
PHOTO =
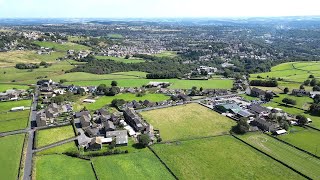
28,162
55,144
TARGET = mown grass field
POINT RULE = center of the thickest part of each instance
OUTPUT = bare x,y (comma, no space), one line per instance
10,74
4,87
68,147
10,121
11,58
119,59
11,149
176,83
58,167
106,100
62,47
302,102
6,106
141,165
49,136
187,121
221,157
299,160
82,76
170,54
304,138
293,71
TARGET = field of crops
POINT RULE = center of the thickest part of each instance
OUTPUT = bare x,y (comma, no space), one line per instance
141,165
218,158
52,135
11,149
187,121
304,138
299,160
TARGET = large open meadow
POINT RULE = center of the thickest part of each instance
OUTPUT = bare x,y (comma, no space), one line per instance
304,138
63,46
10,154
52,135
187,121
293,157
62,167
292,71
6,106
222,157
141,165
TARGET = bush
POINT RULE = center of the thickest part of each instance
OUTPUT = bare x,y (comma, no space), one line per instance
289,101
242,126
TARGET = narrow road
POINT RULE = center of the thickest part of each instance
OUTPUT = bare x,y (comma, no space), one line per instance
55,144
28,162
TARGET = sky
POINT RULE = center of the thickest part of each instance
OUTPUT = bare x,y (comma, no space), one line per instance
156,8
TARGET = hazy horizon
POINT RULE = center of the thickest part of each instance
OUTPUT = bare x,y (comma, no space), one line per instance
148,9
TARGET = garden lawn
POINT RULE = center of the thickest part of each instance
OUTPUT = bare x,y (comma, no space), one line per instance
105,100
6,106
176,83
187,121
142,165
49,136
10,154
119,59
293,157
68,147
60,167
304,138
221,157
249,98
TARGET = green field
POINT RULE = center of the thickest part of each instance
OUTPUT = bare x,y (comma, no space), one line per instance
299,160
115,36
10,154
26,77
304,138
68,147
49,136
61,167
120,59
11,58
106,100
10,121
170,54
302,102
82,76
62,47
4,87
221,157
176,83
293,71
6,106
187,121
249,98
141,165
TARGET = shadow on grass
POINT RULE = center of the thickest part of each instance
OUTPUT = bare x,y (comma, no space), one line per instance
138,146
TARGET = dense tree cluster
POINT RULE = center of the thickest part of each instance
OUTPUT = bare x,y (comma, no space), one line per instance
242,126
27,66
264,83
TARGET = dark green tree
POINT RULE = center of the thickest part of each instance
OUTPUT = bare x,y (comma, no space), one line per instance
144,140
